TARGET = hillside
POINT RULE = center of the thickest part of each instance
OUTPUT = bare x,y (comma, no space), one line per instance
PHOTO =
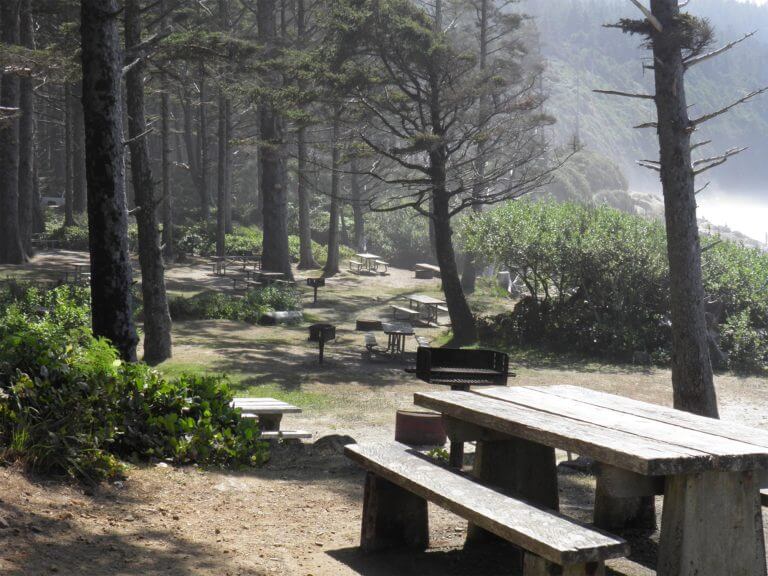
583,55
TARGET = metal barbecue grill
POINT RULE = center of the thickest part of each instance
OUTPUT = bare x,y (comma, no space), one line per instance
461,369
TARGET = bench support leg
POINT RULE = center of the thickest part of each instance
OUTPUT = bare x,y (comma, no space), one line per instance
270,422
537,566
712,524
519,468
392,517
624,499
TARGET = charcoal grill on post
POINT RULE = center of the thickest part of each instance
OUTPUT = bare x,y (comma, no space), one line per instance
322,333
315,283
461,369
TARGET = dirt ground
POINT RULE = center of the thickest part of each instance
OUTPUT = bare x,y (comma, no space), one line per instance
300,514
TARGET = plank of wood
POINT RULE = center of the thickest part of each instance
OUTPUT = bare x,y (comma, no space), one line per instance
764,497
728,454
723,428
264,406
543,532
620,449
285,434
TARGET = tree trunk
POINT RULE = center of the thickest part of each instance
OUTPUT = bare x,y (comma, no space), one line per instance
469,273
190,144
462,321
165,164
111,275
275,254
306,258
11,245
357,206
228,167
26,135
69,199
332,263
221,211
157,319
202,140
78,155
692,380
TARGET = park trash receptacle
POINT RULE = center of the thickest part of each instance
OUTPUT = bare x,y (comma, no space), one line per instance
418,428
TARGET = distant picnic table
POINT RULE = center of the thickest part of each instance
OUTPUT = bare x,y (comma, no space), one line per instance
708,470
427,306
369,261
396,334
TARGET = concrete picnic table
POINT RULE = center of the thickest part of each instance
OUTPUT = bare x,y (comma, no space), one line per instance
710,470
369,260
425,303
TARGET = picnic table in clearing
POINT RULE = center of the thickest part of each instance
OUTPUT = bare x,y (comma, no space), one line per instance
427,306
270,412
368,262
710,470
396,333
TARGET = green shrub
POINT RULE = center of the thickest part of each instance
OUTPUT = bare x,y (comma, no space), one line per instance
218,306
597,281
69,406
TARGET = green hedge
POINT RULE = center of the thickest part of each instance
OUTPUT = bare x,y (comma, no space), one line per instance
596,280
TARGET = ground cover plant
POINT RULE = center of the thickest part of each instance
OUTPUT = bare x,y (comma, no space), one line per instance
596,281
248,308
69,405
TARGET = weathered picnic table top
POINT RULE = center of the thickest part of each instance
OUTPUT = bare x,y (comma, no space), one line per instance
426,300
264,406
637,436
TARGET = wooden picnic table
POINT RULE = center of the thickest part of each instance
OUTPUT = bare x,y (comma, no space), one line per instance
711,470
396,333
428,305
369,260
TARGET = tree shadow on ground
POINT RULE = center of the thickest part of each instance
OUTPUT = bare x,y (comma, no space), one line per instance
36,544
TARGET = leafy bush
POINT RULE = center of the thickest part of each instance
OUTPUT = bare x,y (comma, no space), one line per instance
69,406
597,281
218,306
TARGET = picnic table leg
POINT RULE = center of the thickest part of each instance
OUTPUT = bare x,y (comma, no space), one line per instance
456,454
270,422
392,517
712,524
624,499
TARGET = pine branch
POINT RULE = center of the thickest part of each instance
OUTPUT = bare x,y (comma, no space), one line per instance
647,125
649,15
625,94
653,167
692,61
716,160
700,144
747,98
702,188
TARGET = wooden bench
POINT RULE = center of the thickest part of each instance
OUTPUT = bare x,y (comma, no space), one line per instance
270,412
425,271
356,264
379,263
764,497
400,481
407,312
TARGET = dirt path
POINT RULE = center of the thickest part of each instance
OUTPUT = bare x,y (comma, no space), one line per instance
300,514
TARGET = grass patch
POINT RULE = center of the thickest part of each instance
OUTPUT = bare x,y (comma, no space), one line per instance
297,397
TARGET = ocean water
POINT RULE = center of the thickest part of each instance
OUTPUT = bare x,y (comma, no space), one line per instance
747,213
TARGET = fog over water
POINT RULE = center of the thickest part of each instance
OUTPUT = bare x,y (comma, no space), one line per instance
746,212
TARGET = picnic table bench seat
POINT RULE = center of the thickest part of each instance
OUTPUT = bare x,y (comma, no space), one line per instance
407,312
400,481
764,497
379,263
425,271
270,412
356,265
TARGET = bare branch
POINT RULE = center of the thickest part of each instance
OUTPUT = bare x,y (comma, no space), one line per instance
703,188
647,125
699,59
649,15
700,144
716,160
653,167
747,98
625,94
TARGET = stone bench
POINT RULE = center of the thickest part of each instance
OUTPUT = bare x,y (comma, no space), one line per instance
400,482
270,412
